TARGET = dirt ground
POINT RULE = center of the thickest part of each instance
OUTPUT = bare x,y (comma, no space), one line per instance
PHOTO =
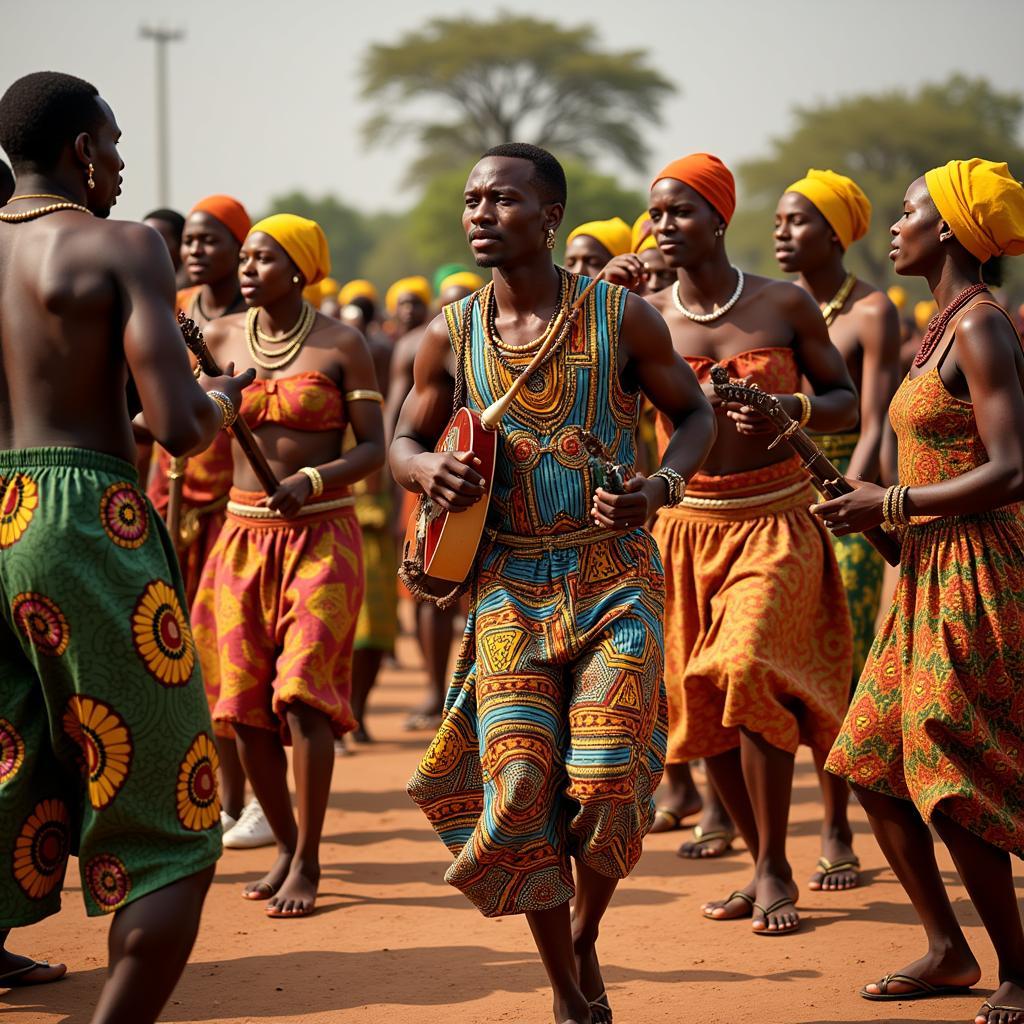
391,942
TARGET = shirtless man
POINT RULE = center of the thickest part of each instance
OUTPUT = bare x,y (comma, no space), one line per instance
817,219
95,643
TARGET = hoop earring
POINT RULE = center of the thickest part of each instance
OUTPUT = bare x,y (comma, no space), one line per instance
90,180
550,241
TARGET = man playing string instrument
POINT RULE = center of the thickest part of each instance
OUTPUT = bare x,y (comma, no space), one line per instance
553,737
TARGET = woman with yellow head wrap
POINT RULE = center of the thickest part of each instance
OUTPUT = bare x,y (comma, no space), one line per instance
935,730
590,246
280,592
840,201
408,301
358,288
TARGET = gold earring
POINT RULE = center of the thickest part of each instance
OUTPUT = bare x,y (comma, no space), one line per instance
719,231
91,181
551,238
295,279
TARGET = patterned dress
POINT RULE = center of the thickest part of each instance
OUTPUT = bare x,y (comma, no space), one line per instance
553,737
757,628
860,565
106,750
275,616
938,716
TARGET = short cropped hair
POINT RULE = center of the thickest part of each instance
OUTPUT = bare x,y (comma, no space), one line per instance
171,217
548,175
6,182
42,113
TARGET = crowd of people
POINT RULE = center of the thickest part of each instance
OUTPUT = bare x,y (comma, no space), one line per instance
200,544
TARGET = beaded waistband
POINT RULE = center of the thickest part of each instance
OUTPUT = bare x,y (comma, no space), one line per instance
796,495
238,508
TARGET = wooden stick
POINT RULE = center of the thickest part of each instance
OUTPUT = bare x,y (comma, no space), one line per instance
240,429
491,416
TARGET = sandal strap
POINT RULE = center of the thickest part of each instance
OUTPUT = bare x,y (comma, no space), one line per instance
918,984
775,906
829,867
24,969
709,837
739,894
675,819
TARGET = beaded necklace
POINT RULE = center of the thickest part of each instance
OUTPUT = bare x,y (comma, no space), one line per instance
831,309
41,211
277,359
706,318
937,324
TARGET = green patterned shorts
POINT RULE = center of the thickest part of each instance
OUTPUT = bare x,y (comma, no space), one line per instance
106,749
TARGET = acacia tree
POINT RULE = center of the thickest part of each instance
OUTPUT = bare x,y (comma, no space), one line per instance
514,78
883,141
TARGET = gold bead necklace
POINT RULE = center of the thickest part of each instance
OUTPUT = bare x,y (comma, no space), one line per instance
41,211
831,309
277,359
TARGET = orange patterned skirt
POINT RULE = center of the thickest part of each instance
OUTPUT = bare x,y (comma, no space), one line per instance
275,616
757,630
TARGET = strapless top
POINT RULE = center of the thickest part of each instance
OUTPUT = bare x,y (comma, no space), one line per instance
304,401
773,369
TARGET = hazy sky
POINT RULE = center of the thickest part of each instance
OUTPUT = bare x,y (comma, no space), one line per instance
265,93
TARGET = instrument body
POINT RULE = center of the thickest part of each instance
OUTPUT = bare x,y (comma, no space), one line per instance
447,542
240,430
827,479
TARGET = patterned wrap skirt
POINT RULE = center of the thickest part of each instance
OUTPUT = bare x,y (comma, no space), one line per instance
106,750
275,616
757,629
938,715
553,736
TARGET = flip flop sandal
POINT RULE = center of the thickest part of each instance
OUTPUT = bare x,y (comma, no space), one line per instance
737,895
827,869
700,837
601,1003
781,902
921,990
13,979
256,893
675,821
989,1008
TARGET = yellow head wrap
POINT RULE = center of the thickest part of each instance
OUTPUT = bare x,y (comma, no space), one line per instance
463,279
897,296
417,285
923,312
840,201
360,288
316,293
304,241
983,205
642,236
613,234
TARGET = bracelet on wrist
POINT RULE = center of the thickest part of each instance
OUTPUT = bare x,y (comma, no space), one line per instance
805,408
315,479
228,412
675,484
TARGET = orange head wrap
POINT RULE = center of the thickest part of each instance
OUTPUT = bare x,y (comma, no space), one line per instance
230,212
707,175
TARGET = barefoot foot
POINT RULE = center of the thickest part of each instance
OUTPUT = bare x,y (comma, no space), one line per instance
297,895
265,888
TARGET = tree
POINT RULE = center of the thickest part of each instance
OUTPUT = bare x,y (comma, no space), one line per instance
349,235
883,141
515,78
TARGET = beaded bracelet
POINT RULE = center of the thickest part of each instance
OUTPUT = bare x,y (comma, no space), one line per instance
228,412
805,408
894,508
315,479
674,482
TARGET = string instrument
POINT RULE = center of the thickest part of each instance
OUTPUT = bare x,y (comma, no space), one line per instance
240,430
440,547
827,479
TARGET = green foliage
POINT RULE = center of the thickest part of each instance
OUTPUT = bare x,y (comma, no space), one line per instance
884,141
513,78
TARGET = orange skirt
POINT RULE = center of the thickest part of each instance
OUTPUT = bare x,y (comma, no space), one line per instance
757,630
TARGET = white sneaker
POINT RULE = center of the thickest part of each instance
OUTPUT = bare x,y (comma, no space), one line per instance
227,823
251,830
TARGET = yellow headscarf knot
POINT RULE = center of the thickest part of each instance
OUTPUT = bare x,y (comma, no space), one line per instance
897,296
463,279
359,288
417,285
613,234
841,202
642,236
304,241
983,205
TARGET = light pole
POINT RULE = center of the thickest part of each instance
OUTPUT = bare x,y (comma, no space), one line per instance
162,36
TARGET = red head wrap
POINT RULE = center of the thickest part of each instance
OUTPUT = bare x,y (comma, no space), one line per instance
230,212
707,175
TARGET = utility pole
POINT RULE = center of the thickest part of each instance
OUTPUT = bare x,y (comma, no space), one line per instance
162,36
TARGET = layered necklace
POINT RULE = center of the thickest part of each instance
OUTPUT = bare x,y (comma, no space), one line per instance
287,347
559,325
937,324
706,318
831,309
41,211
